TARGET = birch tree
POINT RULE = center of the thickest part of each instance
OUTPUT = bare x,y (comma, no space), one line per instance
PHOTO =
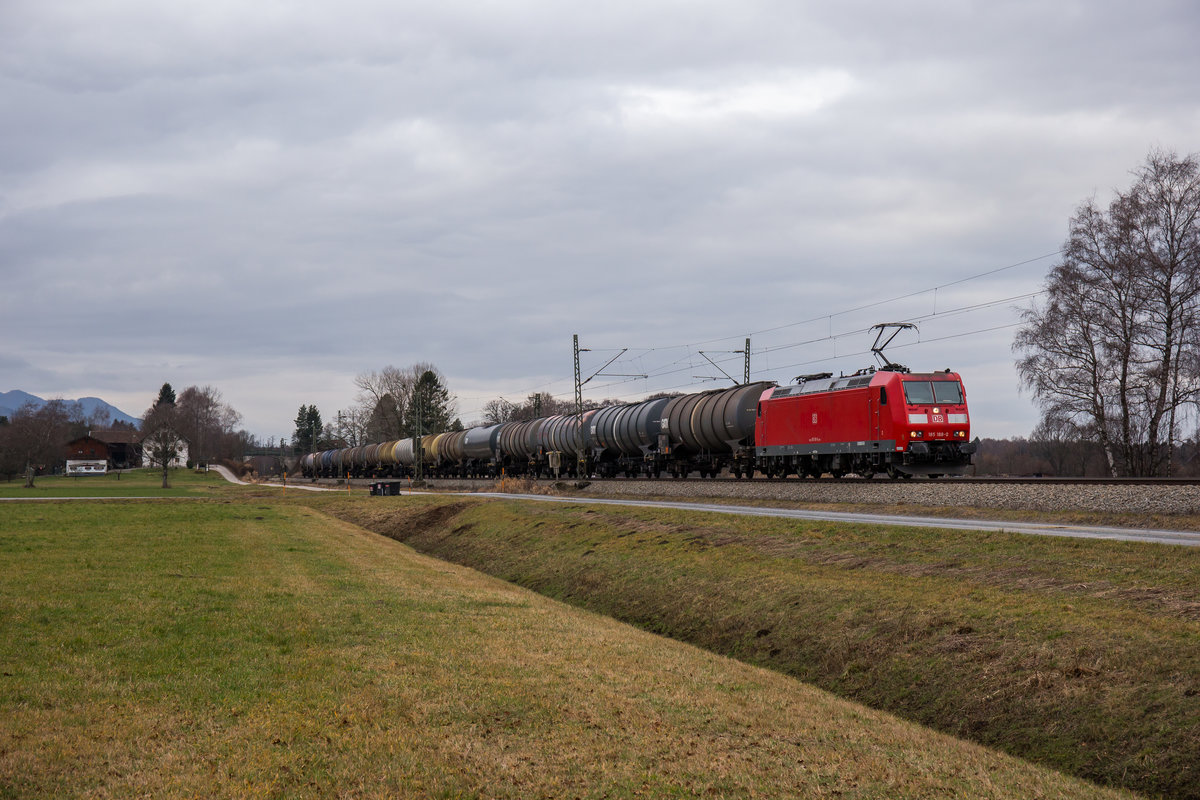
1115,347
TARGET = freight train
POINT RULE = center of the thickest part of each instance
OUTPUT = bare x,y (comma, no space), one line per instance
888,421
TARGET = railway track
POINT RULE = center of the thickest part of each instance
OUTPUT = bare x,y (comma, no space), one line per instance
963,479
849,480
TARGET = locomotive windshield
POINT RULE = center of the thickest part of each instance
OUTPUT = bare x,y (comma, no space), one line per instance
919,393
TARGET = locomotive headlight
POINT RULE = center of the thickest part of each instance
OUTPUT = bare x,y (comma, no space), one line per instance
916,434
960,434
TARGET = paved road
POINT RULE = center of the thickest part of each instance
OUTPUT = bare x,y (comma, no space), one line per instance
1186,538
229,476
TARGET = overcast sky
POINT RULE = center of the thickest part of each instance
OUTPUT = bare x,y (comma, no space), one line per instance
272,197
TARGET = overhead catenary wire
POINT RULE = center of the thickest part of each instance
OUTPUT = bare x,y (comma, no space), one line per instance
687,360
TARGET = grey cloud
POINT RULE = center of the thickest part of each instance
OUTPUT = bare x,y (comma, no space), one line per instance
345,186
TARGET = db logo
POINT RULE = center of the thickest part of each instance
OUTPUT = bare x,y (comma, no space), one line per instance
939,418
814,418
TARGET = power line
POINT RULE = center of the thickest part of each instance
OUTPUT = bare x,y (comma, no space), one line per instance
688,362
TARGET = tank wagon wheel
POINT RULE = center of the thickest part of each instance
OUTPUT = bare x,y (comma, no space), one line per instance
935,476
837,474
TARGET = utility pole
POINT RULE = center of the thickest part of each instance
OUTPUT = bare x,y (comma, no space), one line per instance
418,462
581,469
747,380
579,393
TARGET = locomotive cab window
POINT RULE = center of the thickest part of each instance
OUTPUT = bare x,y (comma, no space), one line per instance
922,393
947,392
918,393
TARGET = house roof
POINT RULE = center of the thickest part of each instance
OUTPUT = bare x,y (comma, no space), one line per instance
85,439
118,436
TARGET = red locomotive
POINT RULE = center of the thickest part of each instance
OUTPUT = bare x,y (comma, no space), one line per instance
888,420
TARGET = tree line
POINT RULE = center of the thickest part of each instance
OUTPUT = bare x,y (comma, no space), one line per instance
392,403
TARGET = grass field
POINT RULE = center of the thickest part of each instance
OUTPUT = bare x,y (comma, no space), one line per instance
1082,655
252,646
138,482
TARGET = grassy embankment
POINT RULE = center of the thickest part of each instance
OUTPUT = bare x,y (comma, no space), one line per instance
249,646
1081,655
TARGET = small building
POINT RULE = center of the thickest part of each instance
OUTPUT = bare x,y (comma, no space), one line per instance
86,455
181,455
116,449
180,459
124,447
86,448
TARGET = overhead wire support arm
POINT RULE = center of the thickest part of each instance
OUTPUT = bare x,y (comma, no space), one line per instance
732,379
624,350
744,351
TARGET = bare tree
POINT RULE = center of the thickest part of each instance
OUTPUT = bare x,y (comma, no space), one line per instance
354,425
383,396
498,411
161,439
36,435
385,399
1115,347
198,418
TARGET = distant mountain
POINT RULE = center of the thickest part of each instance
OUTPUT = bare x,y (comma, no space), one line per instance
11,401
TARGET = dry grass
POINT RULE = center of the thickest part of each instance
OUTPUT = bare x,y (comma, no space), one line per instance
258,649
1081,655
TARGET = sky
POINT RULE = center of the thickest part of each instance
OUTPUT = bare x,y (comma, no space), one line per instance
271,198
